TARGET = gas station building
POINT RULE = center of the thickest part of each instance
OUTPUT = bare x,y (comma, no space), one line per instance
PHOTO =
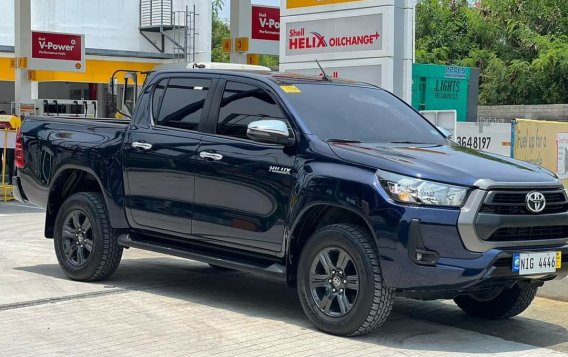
134,35
364,40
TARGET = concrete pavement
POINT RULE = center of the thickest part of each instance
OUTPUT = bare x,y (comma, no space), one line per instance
159,305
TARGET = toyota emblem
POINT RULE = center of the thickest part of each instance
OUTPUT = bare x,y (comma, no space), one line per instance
535,202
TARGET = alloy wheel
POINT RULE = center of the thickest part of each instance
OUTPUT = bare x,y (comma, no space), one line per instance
334,281
77,238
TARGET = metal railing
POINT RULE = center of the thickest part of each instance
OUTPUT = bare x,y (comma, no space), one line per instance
179,27
184,34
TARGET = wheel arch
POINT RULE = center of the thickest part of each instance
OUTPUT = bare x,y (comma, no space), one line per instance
313,217
71,179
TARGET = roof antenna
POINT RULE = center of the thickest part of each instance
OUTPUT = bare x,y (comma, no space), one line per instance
325,76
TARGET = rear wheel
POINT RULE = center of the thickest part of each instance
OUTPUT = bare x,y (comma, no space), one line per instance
499,306
340,284
85,243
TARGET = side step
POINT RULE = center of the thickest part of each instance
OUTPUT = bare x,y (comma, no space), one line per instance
274,271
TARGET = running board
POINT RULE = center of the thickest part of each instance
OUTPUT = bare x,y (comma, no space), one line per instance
274,271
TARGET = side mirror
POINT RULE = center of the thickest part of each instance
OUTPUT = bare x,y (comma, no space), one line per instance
447,134
270,131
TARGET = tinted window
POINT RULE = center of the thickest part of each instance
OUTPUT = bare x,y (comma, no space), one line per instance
183,101
157,97
333,111
243,104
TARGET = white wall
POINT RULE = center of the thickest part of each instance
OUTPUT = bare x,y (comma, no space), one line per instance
107,24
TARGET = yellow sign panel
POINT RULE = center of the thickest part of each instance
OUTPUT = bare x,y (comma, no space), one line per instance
97,71
241,44
543,143
253,58
558,260
293,4
227,45
22,62
13,63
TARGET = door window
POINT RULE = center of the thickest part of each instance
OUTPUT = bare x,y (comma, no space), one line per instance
243,104
182,105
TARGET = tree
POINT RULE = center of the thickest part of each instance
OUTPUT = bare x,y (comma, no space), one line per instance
521,46
220,31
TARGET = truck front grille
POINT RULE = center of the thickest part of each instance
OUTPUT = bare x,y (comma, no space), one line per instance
513,203
529,233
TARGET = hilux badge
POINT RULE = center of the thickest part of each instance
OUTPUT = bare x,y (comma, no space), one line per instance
279,170
535,202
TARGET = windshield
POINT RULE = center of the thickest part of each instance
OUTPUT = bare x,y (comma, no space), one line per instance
350,113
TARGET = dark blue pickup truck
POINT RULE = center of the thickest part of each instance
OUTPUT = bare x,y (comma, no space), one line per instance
337,188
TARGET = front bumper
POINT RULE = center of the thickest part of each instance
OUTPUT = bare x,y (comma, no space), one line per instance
453,277
441,255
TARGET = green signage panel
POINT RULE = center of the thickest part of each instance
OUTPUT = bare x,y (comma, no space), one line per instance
436,87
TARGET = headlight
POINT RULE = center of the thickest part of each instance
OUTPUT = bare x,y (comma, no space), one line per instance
416,191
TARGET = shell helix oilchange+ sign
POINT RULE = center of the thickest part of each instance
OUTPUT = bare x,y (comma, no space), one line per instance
436,87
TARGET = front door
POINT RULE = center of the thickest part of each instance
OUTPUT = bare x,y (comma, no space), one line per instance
242,187
160,154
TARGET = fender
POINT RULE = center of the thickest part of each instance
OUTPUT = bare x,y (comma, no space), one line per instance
115,209
305,209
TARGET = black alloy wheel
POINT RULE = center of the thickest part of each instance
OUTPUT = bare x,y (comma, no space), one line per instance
77,238
334,282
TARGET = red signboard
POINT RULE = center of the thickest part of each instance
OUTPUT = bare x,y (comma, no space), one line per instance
265,23
57,46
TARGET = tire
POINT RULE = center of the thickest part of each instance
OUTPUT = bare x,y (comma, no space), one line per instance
508,303
351,311
73,238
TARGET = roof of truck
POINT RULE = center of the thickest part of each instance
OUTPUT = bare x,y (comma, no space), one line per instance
250,71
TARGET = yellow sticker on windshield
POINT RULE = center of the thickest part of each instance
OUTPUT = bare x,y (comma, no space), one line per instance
291,89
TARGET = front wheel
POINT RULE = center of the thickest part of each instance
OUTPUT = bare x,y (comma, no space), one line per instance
85,243
500,306
340,284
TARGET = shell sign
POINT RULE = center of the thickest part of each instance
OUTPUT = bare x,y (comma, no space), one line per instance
57,51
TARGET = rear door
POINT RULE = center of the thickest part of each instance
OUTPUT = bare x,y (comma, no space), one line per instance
160,153
242,187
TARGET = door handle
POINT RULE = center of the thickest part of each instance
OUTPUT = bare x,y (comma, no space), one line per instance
207,155
141,146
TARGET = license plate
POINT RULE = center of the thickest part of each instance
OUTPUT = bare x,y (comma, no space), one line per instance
536,263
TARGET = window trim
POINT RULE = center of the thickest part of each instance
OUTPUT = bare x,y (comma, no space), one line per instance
153,91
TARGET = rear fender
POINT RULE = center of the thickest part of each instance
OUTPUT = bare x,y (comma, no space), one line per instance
70,179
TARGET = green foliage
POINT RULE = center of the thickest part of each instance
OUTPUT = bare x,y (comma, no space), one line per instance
521,46
220,31
269,61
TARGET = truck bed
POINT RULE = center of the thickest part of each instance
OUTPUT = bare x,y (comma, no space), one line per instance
56,145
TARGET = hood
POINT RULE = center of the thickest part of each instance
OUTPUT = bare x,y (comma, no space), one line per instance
445,163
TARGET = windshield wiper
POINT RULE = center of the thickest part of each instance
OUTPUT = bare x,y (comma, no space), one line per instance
343,141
